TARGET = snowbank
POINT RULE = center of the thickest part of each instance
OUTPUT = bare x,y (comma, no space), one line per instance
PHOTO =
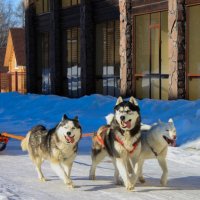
18,113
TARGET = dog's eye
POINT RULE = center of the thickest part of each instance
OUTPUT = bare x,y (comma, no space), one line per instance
167,129
73,128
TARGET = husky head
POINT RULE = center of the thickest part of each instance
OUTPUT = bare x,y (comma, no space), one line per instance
167,131
69,130
127,113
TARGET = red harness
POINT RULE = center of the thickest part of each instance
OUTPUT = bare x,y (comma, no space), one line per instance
121,142
100,140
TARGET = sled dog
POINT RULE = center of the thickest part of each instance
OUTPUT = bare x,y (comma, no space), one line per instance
58,145
121,141
155,142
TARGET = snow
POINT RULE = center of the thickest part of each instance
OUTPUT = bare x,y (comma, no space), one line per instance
18,178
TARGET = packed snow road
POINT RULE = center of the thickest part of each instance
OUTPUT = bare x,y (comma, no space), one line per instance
18,179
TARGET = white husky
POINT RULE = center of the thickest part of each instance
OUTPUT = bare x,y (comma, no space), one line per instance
155,141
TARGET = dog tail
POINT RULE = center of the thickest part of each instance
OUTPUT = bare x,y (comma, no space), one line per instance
109,118
145,127
24,142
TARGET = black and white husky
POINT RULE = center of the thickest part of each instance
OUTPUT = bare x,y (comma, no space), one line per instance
121,140
58,145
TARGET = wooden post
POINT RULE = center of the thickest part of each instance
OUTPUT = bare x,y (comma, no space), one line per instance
87,48
30,37
176,30
55,49
0,82
16,81
125,48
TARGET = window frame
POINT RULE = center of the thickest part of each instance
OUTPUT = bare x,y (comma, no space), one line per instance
43,8
105,77
78,2
69,90
189,76
149,75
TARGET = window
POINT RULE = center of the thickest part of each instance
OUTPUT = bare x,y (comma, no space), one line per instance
43,67
107,58
193,68
42,6
73,62
151,55
68,3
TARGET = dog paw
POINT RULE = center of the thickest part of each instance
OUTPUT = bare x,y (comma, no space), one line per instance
118,182
142,180
42,179
163,182
130,187
92,177
71,185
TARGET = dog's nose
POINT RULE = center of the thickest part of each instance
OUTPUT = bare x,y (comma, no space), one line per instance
122,118
68,133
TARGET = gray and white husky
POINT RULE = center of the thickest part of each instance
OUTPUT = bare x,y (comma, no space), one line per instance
121,141
155,141
58,145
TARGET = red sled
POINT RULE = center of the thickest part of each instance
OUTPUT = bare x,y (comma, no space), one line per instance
3,142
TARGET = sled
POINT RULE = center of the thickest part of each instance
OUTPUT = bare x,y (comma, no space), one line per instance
4,138
3,142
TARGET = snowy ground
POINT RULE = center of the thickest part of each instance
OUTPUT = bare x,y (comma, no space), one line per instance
18,178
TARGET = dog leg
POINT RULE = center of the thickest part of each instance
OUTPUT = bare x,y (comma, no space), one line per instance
163,164
117,180
121,165
97,157
61,173
136,165
141,178
38,163
67,167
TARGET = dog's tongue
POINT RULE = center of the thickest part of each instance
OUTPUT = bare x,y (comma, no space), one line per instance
70,139
127,124
174,143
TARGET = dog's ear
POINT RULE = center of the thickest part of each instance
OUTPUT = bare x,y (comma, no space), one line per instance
76,118
133,101
170,121
64,117
119,100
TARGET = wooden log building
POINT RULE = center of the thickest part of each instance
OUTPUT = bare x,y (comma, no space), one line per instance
145,48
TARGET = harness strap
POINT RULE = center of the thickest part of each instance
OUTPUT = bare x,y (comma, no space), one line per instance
99,138
121,142
154,152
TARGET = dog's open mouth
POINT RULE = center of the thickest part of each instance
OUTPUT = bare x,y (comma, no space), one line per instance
126,124
170,142
69,139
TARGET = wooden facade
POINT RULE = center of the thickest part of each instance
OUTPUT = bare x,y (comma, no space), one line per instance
15,60
67,42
